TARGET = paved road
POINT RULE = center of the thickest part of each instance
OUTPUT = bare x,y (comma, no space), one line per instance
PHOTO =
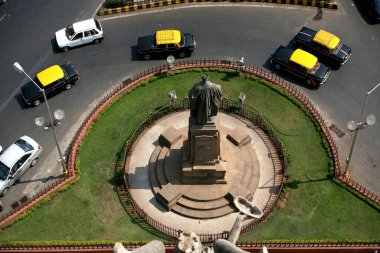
250,30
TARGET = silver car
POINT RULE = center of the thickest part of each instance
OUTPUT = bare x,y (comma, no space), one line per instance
17,159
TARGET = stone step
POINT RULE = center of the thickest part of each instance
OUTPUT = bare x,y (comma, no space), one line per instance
207,214
154,183
202,205
160,167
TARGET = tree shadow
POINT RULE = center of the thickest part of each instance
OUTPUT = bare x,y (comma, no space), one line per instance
295,183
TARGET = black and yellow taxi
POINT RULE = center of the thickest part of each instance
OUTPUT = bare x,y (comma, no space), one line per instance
53,80
325,45
301,64
164,43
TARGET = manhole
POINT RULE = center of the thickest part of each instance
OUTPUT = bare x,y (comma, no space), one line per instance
336,130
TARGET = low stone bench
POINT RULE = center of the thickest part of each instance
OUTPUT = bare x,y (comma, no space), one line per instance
168,196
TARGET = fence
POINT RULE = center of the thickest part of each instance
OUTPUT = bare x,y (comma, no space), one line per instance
332,247
162,69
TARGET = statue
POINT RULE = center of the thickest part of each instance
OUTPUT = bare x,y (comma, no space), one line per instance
204,99
151,247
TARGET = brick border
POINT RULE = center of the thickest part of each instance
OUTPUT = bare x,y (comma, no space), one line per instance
148,4
196,63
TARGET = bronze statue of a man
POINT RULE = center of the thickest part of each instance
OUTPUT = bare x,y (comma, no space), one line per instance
204,99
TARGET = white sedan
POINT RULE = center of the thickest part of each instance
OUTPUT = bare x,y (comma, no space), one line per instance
17,159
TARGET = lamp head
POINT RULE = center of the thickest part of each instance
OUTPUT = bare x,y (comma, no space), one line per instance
170,59
59,114
371,119
39,121
18,67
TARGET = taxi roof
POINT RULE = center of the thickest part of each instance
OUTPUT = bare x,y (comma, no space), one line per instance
168,37
327,39
50,75
304,59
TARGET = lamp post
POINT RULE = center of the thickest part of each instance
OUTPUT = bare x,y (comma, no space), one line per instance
356,126
172,96
170,60
240,65
40,120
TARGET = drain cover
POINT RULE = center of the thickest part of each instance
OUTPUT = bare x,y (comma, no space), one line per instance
336,130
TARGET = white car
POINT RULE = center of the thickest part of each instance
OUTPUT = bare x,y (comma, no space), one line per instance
79,33
17,159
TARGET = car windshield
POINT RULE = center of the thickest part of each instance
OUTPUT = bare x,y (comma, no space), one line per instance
182,42
4,171
315,68
69,31
337,48
24,145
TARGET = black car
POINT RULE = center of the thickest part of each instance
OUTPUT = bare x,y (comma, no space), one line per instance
52,80
164,43
324,45
301,64
374,9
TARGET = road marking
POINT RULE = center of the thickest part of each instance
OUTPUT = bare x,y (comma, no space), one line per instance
155,10
1,19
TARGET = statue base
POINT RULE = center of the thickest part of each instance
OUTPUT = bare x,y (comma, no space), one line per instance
204,155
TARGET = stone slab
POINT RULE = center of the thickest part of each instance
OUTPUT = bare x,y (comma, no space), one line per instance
239,137
169,137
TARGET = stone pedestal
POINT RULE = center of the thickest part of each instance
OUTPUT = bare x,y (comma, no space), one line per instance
204,155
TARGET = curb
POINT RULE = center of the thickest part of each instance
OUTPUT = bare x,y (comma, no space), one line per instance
161,3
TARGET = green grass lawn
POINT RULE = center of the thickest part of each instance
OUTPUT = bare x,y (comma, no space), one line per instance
316,208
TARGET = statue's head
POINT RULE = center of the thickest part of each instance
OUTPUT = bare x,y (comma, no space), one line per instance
204,77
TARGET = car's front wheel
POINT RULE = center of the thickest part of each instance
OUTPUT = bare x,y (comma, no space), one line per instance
277,66
65,49
36,102
182,55
68,86
147,57
34,162
96,41
5,191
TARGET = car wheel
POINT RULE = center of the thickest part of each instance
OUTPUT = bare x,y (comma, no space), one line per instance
5,191
96,41
182,55
147,56
65,49
277,66
34,162
68,86
36,102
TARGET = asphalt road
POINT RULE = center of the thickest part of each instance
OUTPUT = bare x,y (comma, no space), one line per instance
253,31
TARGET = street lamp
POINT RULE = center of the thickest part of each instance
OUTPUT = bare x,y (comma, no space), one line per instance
356,126
240,65
40,120
242,97
170,60
172,96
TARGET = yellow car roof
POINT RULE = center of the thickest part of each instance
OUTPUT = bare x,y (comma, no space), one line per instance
50,75
168,37
327,39
304,59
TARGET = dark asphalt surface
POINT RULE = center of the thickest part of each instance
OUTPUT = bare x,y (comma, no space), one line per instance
252,31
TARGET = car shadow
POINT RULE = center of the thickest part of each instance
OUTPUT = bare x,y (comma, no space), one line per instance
363,10
134,56
54,46
284,75
21,102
